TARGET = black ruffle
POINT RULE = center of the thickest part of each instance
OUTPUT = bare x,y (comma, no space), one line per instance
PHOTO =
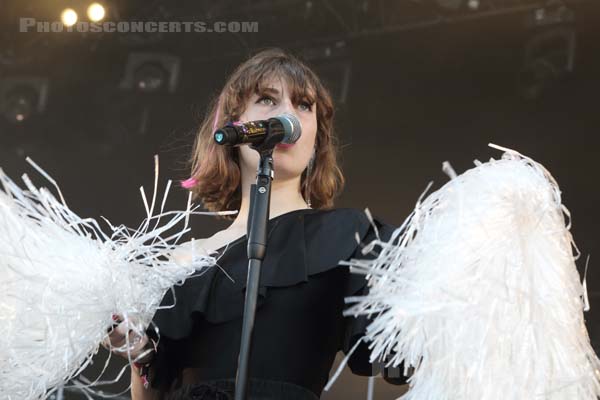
310,242
300,244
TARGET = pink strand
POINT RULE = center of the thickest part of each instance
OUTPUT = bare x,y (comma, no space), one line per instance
191,182
218,113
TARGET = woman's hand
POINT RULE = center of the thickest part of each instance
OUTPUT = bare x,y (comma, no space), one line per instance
141,348
141,351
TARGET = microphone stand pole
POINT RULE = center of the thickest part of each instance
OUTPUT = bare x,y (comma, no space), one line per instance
258,216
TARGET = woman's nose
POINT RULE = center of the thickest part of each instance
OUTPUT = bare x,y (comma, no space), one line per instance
287,107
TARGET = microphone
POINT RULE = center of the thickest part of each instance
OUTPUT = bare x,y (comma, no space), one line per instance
284,128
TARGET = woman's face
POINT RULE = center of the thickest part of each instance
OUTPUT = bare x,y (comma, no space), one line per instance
289,160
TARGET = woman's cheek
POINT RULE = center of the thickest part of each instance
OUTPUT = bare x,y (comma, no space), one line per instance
310,133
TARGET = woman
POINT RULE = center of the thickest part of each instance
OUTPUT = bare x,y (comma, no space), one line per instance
299,323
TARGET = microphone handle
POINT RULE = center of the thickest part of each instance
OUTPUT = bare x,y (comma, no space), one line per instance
252,132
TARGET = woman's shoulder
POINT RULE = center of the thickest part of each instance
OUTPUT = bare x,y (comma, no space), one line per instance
342,220
342,213
205,246
321,227
347,229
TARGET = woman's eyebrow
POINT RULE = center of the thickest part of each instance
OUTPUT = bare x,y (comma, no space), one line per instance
269,89
308,98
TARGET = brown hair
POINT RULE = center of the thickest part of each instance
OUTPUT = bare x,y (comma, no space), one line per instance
215,169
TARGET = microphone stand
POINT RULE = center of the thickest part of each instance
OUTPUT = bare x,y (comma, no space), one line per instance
258,217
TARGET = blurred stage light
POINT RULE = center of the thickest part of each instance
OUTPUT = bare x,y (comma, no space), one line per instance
549,55
149,77
554,12
22,97
96,12
473,4
68,17
151,72
19,104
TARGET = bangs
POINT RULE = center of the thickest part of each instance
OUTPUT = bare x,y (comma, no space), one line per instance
300,81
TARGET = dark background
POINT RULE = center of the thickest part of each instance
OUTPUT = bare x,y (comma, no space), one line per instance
416,83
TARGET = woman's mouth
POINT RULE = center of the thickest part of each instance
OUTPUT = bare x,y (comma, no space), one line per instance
284,145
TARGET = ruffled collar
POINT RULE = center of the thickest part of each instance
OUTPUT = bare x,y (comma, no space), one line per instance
271,223
300,243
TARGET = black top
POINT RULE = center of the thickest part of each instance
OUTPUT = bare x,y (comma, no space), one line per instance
299,325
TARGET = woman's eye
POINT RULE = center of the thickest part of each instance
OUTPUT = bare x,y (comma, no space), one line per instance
266,100
306,106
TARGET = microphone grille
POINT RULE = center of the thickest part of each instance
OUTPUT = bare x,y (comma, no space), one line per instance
292,128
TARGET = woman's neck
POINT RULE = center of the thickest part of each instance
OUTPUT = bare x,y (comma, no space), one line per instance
285,197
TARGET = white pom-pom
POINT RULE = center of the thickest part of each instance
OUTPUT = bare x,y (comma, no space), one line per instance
478,291
62,279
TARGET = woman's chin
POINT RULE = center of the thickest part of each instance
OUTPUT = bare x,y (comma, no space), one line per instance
285,161
285,172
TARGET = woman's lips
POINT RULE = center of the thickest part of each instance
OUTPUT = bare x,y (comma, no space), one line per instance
285,145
